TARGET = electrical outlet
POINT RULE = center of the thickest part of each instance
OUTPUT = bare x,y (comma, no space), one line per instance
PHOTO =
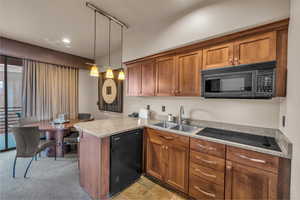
163,108
148,107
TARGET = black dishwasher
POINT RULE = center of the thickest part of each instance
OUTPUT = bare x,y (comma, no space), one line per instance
125,159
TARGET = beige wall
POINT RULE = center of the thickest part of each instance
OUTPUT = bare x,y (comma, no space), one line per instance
87,90
291,106
214,17
263,113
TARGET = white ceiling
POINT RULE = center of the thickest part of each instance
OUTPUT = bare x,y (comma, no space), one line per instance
46,22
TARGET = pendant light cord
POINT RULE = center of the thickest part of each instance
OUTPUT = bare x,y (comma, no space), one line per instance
109,27
121,47
95,32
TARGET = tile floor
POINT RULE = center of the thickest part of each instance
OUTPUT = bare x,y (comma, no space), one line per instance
144,189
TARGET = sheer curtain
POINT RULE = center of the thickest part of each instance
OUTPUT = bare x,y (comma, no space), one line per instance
49,90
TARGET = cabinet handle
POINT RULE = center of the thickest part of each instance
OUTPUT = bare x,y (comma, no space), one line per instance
206,147
206,161
205,174
251,159
206,193
167,137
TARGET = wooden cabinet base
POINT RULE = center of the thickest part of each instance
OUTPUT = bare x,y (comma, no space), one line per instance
94,165
202,189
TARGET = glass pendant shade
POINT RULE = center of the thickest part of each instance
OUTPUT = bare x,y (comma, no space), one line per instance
109,73
121,75
94,71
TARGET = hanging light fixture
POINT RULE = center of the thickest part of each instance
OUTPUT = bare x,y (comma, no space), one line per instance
109,72
94,70
121,73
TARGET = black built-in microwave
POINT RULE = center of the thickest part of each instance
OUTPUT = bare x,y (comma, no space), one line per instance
253,81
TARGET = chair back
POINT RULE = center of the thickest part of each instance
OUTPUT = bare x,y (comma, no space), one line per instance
27,121
27,140
84,116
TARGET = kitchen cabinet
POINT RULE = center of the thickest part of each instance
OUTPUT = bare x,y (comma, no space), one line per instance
167,158
133,77
188,67
176,69
148,78
207,169
218,56
254,49
251,49
176,173
165,76
244,182
141,78
155,150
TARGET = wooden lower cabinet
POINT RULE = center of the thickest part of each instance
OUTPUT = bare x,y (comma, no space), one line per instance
243,182
176,173
201,189
167,160
154,163
208,170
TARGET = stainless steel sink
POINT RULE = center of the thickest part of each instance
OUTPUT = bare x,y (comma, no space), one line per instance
167,125
177,127
185,128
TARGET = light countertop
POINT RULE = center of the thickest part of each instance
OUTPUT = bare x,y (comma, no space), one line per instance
108,127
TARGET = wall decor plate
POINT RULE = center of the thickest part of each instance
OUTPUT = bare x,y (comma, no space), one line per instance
110,93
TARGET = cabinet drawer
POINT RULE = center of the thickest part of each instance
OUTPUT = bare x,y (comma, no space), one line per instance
211,175
207,147
254,159
207,161
170,138
202,189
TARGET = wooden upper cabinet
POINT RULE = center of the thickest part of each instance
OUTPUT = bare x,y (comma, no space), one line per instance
148,78
254,49
165,76
133,77
218,56
243,182
188,69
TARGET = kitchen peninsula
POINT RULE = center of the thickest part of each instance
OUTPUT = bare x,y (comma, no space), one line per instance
192,156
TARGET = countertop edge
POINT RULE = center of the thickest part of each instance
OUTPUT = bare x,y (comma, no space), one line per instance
286,146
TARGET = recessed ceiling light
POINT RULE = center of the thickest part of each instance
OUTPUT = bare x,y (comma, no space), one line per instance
66,40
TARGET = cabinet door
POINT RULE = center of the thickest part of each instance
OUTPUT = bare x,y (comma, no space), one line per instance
148,78
154,163
218,56
188,67
134,79
165,76
243,182
259,48
177,167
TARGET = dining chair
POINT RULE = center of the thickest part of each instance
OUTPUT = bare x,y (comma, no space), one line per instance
72,138
28,145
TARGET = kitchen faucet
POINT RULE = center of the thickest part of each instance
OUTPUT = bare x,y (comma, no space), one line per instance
181,112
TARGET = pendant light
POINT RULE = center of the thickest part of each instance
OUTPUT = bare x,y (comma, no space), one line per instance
94,70
121,73
109,72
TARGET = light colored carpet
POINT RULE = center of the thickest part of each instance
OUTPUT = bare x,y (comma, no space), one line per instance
59,180
48,179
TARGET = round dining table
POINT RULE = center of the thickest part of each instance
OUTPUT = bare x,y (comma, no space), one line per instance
56,132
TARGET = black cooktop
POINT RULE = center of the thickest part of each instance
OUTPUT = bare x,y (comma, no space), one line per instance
242,138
